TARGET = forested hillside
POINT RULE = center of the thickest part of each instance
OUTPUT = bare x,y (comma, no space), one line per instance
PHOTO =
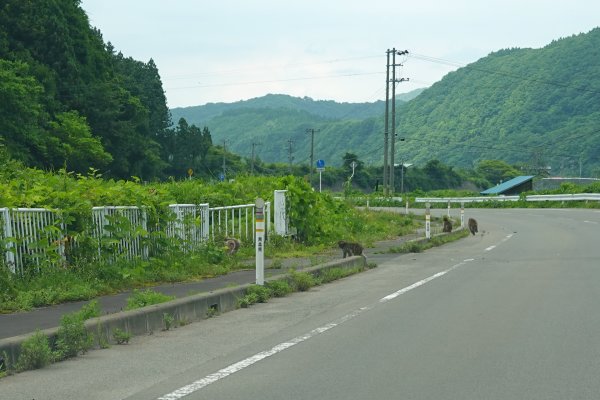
70,100
538,107
531,107
201,115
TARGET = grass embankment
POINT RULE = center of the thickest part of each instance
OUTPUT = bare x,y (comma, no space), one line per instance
87,278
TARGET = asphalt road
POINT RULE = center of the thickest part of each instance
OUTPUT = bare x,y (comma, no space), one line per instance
508,314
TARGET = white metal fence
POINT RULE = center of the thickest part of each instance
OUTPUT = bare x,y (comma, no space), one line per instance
28,234
32,236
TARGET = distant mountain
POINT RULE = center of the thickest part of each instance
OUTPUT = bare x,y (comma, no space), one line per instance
200,115
533,107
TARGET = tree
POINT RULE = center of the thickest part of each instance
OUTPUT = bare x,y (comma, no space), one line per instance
71,142
496,171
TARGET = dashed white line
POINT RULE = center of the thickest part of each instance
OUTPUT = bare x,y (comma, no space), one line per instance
421,282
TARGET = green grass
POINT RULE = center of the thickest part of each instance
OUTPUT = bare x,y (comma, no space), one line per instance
143,298
422,245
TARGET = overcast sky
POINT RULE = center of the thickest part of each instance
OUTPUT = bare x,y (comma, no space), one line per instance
229,50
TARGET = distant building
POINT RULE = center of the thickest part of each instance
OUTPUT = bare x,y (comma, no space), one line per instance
512,187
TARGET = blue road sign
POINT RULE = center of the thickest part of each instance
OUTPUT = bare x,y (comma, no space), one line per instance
320,164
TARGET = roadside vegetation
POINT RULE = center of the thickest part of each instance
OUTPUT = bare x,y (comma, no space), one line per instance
319,218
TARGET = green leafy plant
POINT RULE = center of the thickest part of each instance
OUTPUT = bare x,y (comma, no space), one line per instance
302,281
279,288
120,336
35,352
168,320
72,337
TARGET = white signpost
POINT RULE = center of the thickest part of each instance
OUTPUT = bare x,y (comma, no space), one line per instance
259,241
427,221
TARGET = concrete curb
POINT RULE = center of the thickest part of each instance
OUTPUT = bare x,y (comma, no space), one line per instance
144,321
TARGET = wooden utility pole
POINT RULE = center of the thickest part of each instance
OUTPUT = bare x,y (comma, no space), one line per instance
290,156
252,164
312,152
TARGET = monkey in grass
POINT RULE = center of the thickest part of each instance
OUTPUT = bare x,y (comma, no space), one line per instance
350,248
233,245
472,224
447,224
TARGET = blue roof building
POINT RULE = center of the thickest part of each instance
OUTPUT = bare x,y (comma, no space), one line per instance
514,186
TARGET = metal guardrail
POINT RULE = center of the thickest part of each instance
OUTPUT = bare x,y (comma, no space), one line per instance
538,197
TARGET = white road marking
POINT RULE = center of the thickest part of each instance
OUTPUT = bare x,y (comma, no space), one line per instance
233,368
502,241
240,365
591,222
422,282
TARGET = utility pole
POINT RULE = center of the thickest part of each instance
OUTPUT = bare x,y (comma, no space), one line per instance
312,152
290,156
393,82
386,131
252,164
224,151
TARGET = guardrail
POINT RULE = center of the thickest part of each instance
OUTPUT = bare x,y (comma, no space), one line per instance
536,197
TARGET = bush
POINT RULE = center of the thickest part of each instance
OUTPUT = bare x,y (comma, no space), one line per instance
279,288
302,281
72,338
35,352
263,294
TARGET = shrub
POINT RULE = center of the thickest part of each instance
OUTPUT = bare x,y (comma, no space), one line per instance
248,300
302,281
263,293
35,352
279,288
72,337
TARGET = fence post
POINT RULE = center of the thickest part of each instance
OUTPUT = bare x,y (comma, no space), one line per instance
8,236
427,221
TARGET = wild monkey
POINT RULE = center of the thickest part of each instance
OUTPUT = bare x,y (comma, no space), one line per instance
350,248
472,224
233,245
447,224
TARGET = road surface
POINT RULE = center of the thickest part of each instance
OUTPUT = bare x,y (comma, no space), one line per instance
511,313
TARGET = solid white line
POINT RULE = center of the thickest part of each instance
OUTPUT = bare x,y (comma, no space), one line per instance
233,368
